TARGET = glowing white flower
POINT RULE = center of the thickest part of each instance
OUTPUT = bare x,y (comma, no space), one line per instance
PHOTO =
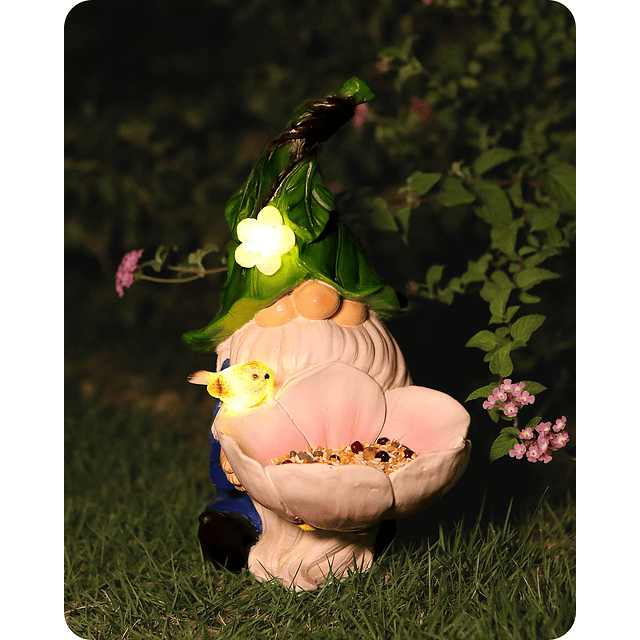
263,240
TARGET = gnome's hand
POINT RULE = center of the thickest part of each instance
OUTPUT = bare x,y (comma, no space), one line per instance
228,471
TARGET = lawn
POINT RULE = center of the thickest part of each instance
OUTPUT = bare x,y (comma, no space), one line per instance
484,562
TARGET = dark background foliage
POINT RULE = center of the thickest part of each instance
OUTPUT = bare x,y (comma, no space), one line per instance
168,105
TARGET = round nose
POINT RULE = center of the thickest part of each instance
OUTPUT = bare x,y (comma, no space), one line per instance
266,376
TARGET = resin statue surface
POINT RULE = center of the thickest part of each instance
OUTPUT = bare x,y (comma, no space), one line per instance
318,435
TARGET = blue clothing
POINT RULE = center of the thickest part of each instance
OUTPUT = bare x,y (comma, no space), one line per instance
228,498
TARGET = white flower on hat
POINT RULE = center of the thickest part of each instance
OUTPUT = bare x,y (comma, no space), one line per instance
263,240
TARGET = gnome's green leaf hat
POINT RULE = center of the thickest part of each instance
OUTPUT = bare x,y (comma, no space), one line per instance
286,177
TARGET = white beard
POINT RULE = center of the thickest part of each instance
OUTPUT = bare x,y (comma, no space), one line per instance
300,344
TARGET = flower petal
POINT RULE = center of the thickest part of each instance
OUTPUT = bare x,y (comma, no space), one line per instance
287,239
269,263
263,432
245,256
252,476
333,404
337,498
270,216
427,477
246,228
424,419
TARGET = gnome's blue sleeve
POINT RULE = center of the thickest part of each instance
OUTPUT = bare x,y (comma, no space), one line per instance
228,498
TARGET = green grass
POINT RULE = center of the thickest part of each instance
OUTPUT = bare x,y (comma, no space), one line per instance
136,480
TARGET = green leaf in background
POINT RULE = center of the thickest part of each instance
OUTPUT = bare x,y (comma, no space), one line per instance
505,441
162,253
534,388
500,362
523,327
541,217
195,257
482,392
560,184
528,278
504,237
495,208
403,214
453,193
418,184
497,298
533,423
434,275
484,339
492,158
510,312
380,216
527,298
476,269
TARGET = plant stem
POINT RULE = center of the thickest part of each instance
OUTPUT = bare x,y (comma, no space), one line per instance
170,280
198,270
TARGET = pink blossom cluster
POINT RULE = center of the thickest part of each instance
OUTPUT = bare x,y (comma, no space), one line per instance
509,397
539,445
124,276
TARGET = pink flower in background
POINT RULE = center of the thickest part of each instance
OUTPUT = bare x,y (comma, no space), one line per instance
560,424
361,115
507,386
526,434
560,439
524,397
543,427
489,403
546,458
124,276
510,409
518,451
533,454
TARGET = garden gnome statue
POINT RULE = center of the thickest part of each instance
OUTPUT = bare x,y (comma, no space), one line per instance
318,435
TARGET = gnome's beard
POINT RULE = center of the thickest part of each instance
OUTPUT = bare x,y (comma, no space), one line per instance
300,344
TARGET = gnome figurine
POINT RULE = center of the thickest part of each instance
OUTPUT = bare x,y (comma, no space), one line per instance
318,436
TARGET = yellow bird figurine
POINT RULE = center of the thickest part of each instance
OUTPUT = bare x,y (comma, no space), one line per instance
240,386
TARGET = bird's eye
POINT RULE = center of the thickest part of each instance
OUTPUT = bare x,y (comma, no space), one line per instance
255,376
266,376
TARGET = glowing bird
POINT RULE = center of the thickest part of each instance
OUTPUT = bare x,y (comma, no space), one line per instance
240,386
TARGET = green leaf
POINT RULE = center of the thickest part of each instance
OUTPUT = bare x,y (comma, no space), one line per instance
528,278
162,253
402,216
380,215
492,158
541,217
534,388
485,340
453,193
418,183
501,446
495,208
533,423
564,175
504,236
476,270
527,298
434,275
195,258
523,327
510,312
482,392
500,362
497,298
494,414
